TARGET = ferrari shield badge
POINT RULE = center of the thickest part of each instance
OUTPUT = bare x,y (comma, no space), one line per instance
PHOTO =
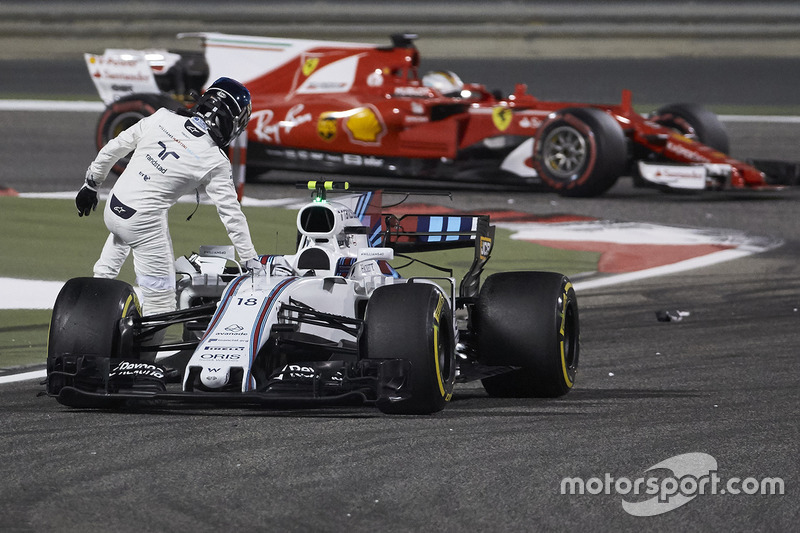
310,65
501,116
326,127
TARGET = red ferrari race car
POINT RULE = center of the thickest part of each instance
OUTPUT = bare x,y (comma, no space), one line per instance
353,108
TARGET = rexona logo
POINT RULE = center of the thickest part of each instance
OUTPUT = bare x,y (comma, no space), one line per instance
136,369
687,476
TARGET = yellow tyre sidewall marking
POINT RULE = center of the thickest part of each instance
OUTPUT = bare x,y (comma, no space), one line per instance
562,331
437,313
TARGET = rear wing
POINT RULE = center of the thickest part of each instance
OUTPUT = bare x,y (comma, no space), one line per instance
248,58
418,233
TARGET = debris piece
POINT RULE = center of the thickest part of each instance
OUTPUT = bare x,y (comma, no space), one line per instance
671,315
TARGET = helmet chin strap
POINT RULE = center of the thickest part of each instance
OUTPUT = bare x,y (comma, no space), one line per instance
196,205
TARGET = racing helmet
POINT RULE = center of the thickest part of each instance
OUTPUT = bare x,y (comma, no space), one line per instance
445,81
225,108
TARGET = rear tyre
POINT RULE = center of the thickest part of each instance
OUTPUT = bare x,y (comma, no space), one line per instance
126,112
413,321
84,330
528,320
580,152
696,122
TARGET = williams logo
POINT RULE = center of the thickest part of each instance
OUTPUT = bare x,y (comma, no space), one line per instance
163,153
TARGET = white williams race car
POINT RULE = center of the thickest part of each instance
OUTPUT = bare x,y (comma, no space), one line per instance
332,323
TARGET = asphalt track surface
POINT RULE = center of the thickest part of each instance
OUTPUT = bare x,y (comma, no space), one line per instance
723,381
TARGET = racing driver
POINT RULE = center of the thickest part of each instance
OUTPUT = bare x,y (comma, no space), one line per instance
173,154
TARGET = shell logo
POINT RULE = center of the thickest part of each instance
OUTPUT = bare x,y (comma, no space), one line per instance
364,126
501,116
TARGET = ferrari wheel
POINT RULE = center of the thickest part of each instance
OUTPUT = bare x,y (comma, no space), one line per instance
84,332
413,321
696,122
580,152
126,112
528,320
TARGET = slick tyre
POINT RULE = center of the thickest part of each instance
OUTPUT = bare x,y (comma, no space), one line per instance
413,321
84,329
126,112
580,152
696,122
528,320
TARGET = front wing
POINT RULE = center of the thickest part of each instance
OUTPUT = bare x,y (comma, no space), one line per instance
96,381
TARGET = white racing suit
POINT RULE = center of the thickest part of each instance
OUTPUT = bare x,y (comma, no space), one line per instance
172,155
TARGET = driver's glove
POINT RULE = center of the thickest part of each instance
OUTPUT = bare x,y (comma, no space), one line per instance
255,265
86,200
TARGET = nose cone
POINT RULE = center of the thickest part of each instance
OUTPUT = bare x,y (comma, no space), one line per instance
214,378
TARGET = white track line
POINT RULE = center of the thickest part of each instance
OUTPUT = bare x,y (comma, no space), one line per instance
774,119
28,293
25,376
682,266
51,105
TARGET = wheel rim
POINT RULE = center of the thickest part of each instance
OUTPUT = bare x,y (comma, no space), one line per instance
564,153
122,122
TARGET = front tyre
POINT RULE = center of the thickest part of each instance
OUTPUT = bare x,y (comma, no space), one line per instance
696,122
84,331
413,321
528,320
580,152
